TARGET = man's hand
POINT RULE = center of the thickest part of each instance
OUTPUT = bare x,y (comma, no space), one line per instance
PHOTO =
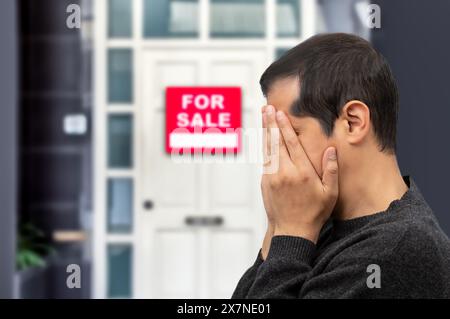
298,202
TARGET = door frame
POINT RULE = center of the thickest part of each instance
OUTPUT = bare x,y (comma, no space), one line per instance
138,44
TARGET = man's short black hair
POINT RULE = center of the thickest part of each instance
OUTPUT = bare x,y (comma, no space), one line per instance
334,69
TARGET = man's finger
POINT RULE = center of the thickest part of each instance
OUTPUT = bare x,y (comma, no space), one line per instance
263,118
330,171
265,137
277,146
290,138
295,148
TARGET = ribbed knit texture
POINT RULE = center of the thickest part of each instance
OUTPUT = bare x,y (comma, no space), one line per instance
288,247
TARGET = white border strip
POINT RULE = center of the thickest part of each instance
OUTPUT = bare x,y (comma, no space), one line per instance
208,140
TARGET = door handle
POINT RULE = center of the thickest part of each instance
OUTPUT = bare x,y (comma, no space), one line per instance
204,221
148,204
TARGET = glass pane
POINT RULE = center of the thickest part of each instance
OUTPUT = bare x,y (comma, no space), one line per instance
237,18
171,18
119,18
279,52
120,137
119,270
288,18
120,204
120,76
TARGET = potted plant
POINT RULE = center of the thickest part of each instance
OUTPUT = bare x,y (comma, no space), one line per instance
31,262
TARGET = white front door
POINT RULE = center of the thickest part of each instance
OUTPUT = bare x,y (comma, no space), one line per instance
200,225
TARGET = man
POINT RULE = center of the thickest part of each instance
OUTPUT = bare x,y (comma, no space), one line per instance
342,222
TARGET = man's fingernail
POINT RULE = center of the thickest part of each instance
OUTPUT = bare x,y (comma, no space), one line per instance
332,154
280,115
269,109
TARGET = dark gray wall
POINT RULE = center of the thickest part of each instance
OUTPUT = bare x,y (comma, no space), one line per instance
414,38
8,142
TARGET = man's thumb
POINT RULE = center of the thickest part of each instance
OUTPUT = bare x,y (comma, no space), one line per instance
330,170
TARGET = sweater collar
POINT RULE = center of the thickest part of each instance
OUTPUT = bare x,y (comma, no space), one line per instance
342,228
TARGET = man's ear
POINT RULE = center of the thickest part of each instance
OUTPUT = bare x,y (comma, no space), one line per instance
355,116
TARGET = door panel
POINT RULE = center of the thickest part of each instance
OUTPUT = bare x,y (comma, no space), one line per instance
226,246
170,73
224,175
241,176
177,267
177,187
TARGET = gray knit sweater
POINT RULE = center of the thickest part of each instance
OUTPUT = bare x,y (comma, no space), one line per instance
399,253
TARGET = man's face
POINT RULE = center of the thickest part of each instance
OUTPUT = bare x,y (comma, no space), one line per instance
282,94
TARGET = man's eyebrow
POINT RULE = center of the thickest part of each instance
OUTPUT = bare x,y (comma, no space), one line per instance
294,109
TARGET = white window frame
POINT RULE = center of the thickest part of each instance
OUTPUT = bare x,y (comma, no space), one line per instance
101,109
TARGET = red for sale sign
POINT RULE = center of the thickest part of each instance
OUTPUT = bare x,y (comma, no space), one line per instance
203,118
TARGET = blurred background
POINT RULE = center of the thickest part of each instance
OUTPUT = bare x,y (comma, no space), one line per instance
84,176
